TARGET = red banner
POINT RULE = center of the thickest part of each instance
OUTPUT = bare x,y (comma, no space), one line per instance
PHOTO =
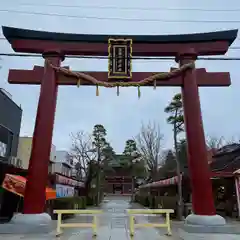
16,184
162,183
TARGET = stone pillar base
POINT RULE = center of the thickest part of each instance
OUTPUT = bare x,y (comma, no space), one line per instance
198,227
28,224
203,220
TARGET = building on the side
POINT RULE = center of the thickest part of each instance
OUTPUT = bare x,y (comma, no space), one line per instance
224,164
10,123
59,168
24,152
62,164
62,170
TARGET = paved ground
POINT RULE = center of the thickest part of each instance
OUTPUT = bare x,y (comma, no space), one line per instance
113,225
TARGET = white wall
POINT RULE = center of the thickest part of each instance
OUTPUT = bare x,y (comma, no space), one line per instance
53,153
59,164
59,167
61,156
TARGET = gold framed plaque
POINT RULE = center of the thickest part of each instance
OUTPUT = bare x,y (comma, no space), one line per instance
119,58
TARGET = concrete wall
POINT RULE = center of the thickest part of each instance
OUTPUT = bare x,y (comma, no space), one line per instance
62,156
62,168
61,163
57,167
53,153
25,148
10,118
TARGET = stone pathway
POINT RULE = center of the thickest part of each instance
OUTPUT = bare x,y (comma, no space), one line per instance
113,225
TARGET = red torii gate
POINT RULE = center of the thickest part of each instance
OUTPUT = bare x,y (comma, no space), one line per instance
54,46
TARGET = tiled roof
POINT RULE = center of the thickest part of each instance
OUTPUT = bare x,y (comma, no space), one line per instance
226,159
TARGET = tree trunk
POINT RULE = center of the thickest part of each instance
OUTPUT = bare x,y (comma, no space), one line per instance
132,189
98,189
98,178
180,201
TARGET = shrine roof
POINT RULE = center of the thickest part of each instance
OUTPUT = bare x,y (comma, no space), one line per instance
12,33
226,159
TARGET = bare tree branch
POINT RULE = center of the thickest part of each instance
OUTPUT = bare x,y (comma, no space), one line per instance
214,142
233,140
82,150
149,146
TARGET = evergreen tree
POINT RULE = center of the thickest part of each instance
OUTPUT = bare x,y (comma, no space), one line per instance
100,143
130,148
176,118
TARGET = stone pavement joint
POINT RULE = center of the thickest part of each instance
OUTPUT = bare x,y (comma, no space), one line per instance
113,225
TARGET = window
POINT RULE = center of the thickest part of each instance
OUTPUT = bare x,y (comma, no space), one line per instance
3,149
64,170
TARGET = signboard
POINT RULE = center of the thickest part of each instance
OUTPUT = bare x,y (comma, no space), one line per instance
64,191
237,184
68,181
16,184
119,58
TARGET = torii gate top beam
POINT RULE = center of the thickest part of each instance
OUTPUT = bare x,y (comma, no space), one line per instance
29,41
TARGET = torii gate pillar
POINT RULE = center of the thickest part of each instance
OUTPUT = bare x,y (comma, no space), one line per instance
204,212
34,199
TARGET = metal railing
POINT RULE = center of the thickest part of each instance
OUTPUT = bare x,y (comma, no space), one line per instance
92,225
134,212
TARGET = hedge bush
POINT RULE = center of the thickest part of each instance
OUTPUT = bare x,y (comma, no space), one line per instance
92,199
155,202
68,203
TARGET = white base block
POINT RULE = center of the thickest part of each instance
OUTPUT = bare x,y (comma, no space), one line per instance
42,218
208,228
28,223
204,236
214,220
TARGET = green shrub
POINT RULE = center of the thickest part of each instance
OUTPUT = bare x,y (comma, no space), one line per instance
68,203
152,202
158,202
79,202
90,201
146,202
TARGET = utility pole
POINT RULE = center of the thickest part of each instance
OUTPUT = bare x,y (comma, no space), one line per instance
133,161
98,175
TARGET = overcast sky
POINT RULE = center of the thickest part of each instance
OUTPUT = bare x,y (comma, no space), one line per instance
80,109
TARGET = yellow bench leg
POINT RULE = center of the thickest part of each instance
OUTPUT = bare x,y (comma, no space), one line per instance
169,232
59,222
131,226
94,227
